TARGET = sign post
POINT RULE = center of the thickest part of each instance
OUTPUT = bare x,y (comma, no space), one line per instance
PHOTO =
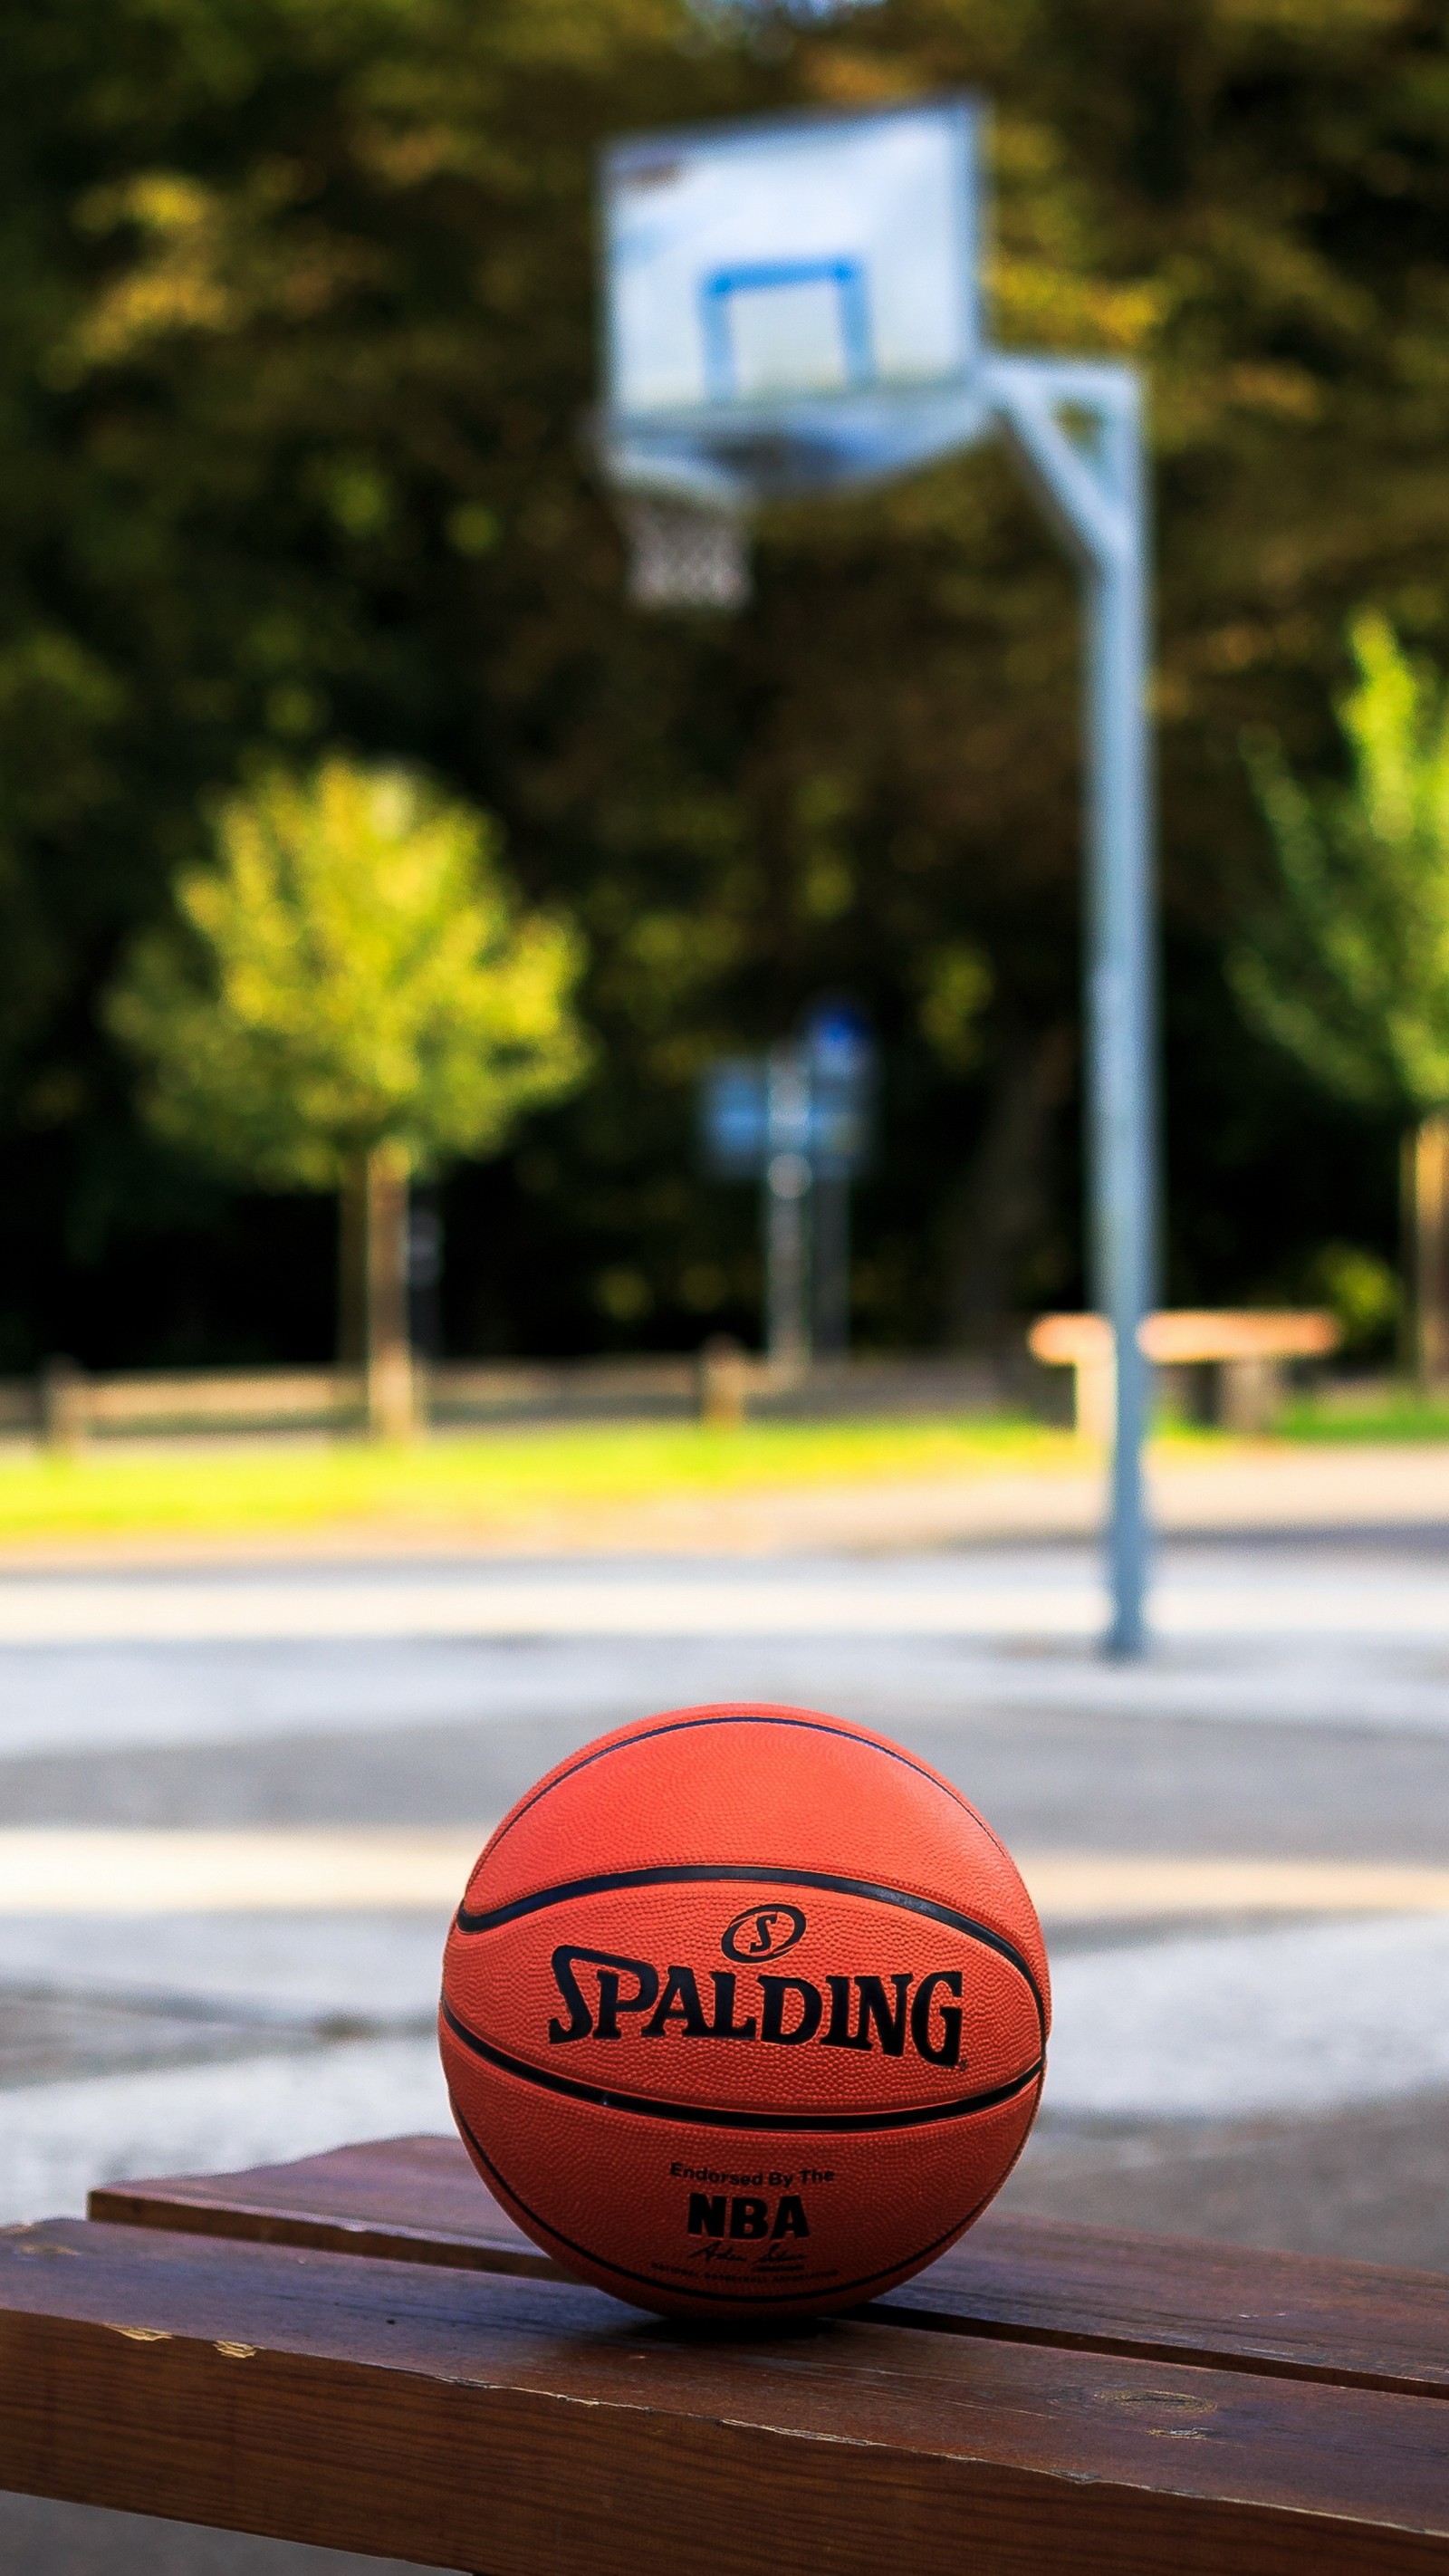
798,1120
792,307
787,1190
841,1055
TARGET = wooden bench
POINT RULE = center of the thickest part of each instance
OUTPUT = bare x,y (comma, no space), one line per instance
1249,1351
360,2351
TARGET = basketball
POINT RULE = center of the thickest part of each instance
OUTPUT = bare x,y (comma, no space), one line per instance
744,2013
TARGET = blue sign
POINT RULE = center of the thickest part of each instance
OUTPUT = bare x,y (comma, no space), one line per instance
814,1099
735,1116
840,1056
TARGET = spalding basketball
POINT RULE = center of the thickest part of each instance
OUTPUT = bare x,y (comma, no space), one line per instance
744,2013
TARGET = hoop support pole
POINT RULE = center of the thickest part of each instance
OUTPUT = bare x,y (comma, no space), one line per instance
1076,428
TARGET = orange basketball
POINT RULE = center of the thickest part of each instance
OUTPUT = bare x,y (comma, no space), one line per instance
744,2013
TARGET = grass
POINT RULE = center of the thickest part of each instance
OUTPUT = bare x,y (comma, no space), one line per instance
546,1478
493,1483
1380,1412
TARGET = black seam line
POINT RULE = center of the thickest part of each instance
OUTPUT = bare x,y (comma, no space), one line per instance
753,1874
719,2298
743,1715
816,2123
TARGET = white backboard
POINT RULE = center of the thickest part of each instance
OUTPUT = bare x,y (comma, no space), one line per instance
809,256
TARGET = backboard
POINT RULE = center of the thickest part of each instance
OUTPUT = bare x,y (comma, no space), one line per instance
807,258
790,306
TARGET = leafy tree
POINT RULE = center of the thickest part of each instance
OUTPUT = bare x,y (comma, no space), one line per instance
348,996
296,332
1351,973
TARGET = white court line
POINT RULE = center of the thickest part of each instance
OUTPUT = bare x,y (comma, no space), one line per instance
74,1612
1077,1887
61,2140
39,1613
1240,2025
115,1870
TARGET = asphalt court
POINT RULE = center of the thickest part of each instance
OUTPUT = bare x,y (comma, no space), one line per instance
1341,1632
235,1803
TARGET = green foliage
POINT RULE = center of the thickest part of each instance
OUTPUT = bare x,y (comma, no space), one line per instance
958,989
296,333
351,973
1352,974
1362,1292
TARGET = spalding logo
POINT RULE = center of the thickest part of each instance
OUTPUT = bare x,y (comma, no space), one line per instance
763,1932
857,2012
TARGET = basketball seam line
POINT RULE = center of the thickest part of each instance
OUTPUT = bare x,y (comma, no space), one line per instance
753,1873
692,2115
741,1715
727,2298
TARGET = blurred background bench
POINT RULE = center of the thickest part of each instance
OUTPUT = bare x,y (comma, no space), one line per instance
1249,1353
66,1406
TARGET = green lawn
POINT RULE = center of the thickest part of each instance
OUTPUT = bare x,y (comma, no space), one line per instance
509,1481
1376,1413
488,1483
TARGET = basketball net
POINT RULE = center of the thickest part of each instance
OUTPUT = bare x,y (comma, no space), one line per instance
685,555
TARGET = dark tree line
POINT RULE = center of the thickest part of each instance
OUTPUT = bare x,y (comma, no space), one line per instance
296,334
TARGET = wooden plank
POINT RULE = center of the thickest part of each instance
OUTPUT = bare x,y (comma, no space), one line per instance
1181,1333
218,1396
1062,1341
1020,2279
524,2426
1228,2307
414,2200
465,1383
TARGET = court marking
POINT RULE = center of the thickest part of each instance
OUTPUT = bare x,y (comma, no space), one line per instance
115,1870
859,1603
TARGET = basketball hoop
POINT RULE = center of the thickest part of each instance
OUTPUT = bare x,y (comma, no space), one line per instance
792,306
682,554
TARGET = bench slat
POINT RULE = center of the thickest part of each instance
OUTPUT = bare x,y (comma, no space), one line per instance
1294,2316
1182,1333
1019,2279
527,2425
411,2200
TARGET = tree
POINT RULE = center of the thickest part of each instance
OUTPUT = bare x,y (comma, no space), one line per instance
1351,974
296,331
348,996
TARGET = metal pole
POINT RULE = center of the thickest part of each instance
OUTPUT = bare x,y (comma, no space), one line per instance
1094,488
830,1260
787,1181
1119,993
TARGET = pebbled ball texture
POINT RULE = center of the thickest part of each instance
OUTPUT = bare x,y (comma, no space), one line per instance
744,2013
